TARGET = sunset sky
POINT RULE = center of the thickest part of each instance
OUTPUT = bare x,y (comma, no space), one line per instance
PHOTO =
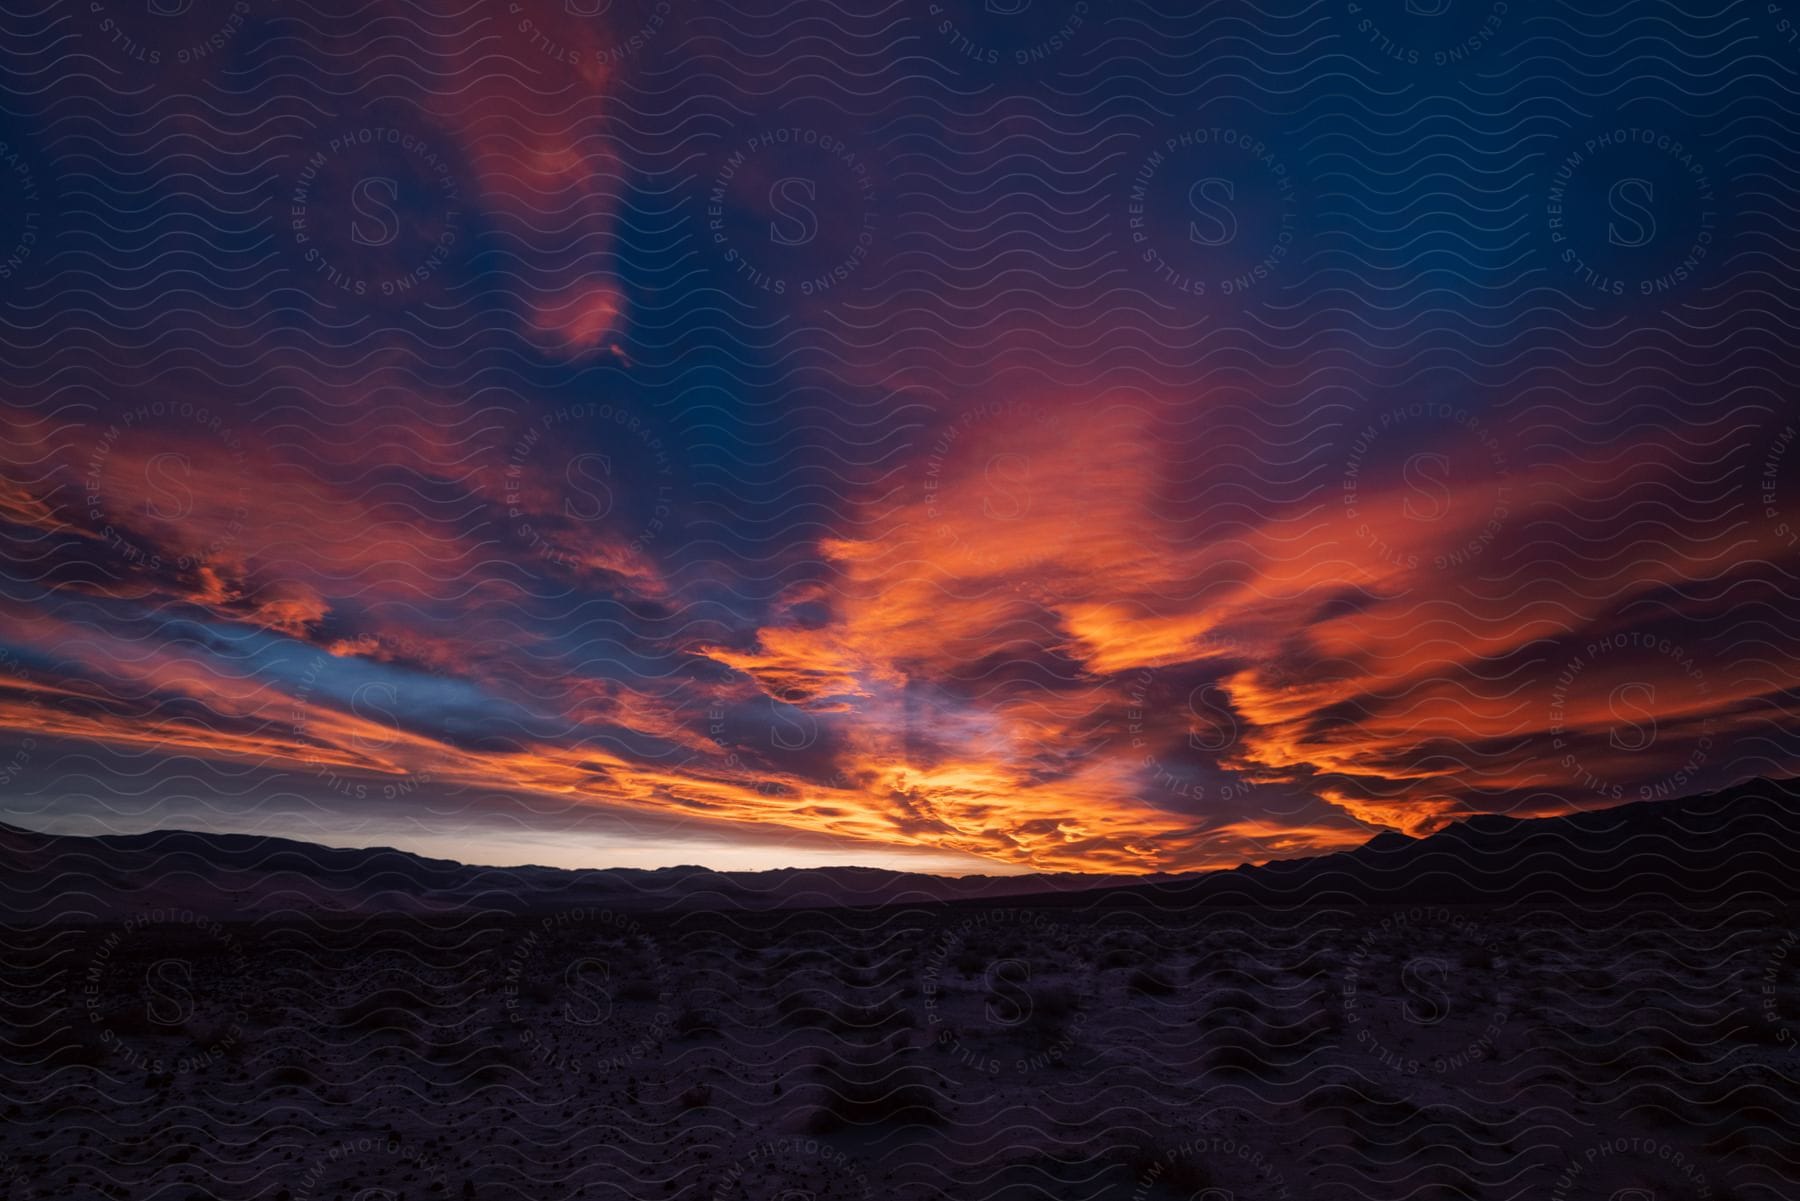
956,439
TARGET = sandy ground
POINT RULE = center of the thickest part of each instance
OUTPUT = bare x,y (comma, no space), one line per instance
972,1052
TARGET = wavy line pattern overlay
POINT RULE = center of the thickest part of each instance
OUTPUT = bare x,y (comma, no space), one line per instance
1213,588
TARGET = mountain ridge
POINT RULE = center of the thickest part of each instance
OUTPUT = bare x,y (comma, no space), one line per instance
1678,847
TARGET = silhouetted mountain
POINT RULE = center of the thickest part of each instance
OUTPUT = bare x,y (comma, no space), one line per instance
1740,841
50,877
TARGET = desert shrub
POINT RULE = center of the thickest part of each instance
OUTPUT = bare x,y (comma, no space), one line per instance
800,958
131,1021
1178,1174
381,1008
863,1084
491,1070
78,1051
695,1023
1302,1032
1236,1058
1150,982
1230,1007
639,988
294,1075
1054,1004
805,1008
1335,1101
1048,1023
881,1017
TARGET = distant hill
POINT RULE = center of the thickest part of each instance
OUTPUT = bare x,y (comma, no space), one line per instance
1739,842
64,878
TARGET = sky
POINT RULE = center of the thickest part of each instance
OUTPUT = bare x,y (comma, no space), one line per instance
992,437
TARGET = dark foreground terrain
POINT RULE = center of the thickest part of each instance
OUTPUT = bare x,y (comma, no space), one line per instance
979,1052
1147,1042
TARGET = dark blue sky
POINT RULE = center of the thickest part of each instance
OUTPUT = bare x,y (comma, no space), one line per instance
982,436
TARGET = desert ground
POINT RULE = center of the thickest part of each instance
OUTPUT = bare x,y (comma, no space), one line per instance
985,1050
